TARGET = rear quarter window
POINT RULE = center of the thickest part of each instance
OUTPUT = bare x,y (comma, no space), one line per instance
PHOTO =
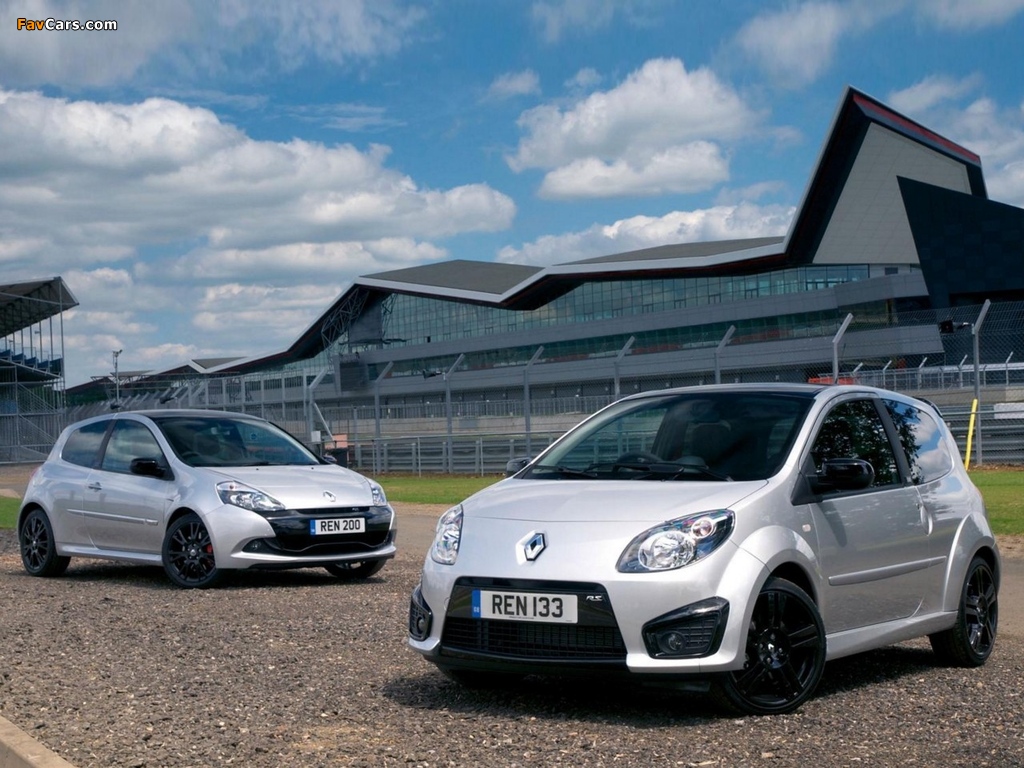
83,445
922,440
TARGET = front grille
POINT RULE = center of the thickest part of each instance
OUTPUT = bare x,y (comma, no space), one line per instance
292,536
531,640
595,637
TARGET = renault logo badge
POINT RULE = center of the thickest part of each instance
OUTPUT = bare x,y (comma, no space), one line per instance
534,546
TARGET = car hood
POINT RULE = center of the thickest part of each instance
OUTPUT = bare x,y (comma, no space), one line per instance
304,486
551,501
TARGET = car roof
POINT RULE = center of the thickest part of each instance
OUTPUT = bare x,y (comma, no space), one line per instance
794,389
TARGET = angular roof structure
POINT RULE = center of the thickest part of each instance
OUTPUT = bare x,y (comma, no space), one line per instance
854,211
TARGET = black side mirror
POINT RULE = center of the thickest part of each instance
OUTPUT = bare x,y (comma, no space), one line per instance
515,465
147,468
843,475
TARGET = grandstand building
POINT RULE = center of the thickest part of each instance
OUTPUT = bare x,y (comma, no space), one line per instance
894,248
31,366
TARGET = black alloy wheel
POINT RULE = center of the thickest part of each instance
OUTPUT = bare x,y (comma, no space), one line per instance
188,554
785,654
360,569
971,639
38,546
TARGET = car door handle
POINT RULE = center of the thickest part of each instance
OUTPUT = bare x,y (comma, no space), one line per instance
94,487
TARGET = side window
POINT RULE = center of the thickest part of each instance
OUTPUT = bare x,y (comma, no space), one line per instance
129,440
83,445
854,430
921,437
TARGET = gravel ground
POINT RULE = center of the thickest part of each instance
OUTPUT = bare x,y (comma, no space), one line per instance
111,666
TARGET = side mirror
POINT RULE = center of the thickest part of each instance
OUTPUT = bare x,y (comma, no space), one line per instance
515,465
843,475
147,468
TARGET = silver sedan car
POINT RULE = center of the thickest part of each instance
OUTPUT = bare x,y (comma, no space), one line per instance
728,539
200,493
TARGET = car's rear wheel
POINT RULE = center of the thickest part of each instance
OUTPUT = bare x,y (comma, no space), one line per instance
971,639
188,554
38,546
361,569
785,654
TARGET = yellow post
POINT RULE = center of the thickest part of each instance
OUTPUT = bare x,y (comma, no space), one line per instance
970,434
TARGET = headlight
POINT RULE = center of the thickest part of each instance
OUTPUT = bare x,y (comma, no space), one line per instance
445,548
378,496
677,542
246,497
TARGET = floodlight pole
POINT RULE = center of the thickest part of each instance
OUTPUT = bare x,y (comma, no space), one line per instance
835,347
618,361
976,332
377,416
117,380
526,396
718,352
448,408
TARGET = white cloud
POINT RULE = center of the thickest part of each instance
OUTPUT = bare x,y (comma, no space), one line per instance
688,168
197,37
584,80
718,223
976,14
118,177
512,84
794,46
932,91
614,139
298,263
143,206
580,16
797,44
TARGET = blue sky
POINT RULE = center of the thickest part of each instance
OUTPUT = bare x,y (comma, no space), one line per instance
211,175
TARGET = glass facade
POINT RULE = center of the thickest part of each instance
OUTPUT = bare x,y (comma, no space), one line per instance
419,320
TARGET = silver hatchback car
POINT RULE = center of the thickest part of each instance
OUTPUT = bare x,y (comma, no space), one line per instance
729,539
200,493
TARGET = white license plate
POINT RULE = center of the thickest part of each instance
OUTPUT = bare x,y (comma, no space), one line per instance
335,526
524,606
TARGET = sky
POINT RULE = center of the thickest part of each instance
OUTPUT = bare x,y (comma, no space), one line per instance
211,175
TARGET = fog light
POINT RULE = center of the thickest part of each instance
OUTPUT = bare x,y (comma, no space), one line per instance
691,632
420,617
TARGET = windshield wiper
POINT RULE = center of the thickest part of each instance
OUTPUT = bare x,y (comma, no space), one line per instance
563,471
663,470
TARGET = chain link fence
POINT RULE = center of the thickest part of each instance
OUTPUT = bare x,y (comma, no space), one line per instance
463,417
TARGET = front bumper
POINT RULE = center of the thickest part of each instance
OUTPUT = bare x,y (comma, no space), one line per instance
657,628
283,539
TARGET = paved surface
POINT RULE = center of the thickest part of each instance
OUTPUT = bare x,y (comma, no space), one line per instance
19,750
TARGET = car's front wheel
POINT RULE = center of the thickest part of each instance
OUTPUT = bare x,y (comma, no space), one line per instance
188,554
784,655
362,569
970,640
38,546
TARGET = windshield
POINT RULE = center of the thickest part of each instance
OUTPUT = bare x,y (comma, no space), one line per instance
231,442
713,436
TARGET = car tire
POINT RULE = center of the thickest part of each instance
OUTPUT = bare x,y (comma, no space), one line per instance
39,547
360,569
187,554
785,654
969,642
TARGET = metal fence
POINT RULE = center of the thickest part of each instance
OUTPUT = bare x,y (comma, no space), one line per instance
471,420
